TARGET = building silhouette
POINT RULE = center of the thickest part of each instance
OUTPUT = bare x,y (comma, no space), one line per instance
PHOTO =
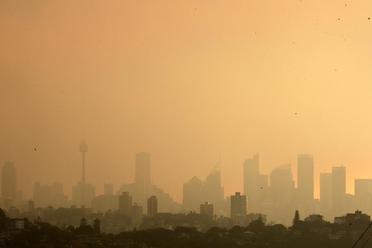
251,180
363,194
142,177
210,190
207,209
108,189
338,190
305,183
83,193
106,201
325,196
192,194
45,195
125,204
8,184
142,188
238,208
152,206
282,194
136,214
213,192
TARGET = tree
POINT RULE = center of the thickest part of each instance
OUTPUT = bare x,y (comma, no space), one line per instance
296,219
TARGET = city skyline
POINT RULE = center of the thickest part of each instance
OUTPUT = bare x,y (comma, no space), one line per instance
189,82
278,186
187,123
293,169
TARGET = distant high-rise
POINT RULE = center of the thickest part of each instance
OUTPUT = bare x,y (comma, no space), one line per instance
152,206
136,214
305,184
108,189
142,176
282,194
58,198
325,197
363,194
192,194
251,181
206,209
338,190
305,177
125,204
282,185
238,208
83,194
8,183
213,191
50,195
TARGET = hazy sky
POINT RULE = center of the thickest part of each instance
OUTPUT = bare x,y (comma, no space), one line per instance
188,81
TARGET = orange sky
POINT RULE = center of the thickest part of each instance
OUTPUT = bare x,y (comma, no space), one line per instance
187,81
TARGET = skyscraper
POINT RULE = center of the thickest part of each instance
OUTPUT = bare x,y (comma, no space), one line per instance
238,208
192,194
8,183
206,209
108,189
282,194
282,185
325,197
305,177
213,191
363,194
125,204
251,181
142,176
338,190
305,183
152,206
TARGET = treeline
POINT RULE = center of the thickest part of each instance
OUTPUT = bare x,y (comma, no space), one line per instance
255,235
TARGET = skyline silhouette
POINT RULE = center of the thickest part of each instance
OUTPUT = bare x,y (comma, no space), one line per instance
275,195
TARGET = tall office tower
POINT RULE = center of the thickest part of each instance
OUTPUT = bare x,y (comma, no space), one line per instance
83,194
213,191
8,183
142,176
83,150
108,189
207,209
125,204
281,184
192,194
363,194
136,214
152,206
251,180
305,177
58,198
325,197
305,184
238,208
282,194
42,195
338,190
